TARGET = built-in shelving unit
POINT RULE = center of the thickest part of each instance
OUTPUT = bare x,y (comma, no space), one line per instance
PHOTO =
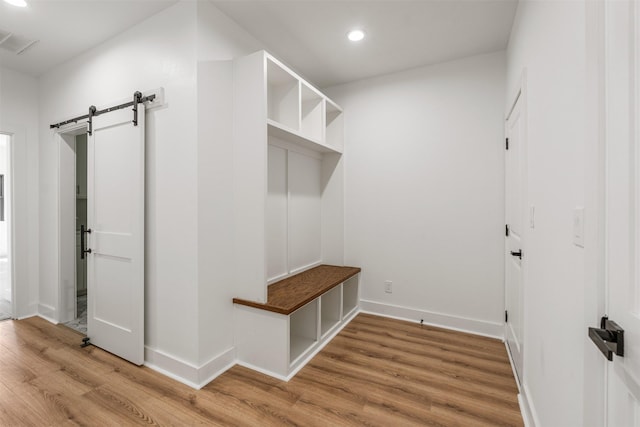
350,296
330,310
288,164
288,186
303,330
302,313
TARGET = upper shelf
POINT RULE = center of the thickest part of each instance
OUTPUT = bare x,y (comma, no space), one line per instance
280,131
299,113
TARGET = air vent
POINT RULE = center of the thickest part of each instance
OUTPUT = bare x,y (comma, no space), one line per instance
15,43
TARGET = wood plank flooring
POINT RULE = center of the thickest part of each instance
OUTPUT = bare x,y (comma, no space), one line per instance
376,372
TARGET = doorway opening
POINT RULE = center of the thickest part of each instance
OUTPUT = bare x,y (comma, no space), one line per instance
72,209
79,321
6,288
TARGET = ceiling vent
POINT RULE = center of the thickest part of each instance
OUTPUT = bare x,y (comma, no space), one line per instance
15,43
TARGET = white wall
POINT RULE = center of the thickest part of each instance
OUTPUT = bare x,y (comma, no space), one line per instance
424,190
19,117
159,52
220,40
186,49
561,366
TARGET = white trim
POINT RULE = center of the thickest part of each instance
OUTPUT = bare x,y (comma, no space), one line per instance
58,138
11,137
216,366
529,414
31,311
263,371
456,323
45,317
185,372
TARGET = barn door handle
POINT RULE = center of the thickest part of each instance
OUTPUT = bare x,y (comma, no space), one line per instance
609,338
518,254
82,241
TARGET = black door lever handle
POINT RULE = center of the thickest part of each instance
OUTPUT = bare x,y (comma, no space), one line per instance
518,254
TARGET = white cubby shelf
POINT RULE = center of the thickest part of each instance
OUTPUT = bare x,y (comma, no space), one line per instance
302,314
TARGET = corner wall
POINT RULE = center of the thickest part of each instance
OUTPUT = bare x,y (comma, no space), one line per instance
186,49
159,52
19,116
220,40
425,191
553,42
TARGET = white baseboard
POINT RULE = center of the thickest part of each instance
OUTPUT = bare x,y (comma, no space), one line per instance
462,324
24,313
522,404
48,313
186,372
529,414
262,371
217,366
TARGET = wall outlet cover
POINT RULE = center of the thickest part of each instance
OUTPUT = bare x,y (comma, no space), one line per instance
388,286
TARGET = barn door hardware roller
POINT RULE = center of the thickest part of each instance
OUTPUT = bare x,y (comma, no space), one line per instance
93,112
609,338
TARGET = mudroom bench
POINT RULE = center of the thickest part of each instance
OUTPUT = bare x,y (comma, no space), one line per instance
301,315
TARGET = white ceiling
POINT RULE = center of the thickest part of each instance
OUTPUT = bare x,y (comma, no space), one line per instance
67,28
311,35
308,35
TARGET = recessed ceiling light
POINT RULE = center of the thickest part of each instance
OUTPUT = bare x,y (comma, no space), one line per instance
355,35
19,3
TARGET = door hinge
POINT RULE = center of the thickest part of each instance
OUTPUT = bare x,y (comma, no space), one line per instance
506,316
506,230
507,144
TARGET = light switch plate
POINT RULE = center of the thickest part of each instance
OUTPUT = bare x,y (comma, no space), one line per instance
578,226
388,286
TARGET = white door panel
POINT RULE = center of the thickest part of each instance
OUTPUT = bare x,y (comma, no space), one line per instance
514,179
115,213
623,206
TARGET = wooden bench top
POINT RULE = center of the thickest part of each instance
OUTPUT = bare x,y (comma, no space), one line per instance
288,295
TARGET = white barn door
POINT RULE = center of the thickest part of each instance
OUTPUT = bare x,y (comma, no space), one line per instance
115,216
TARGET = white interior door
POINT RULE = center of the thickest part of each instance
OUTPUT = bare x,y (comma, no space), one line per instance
115,215
514,293
623,207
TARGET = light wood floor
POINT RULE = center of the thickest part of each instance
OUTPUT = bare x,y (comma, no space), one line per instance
376,372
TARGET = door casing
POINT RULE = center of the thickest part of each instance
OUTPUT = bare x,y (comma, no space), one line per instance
66,298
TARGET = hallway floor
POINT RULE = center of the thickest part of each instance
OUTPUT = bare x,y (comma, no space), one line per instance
375,372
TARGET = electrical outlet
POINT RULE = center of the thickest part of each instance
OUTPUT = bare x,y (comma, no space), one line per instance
388,286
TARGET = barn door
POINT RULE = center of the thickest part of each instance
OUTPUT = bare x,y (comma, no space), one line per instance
115,219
